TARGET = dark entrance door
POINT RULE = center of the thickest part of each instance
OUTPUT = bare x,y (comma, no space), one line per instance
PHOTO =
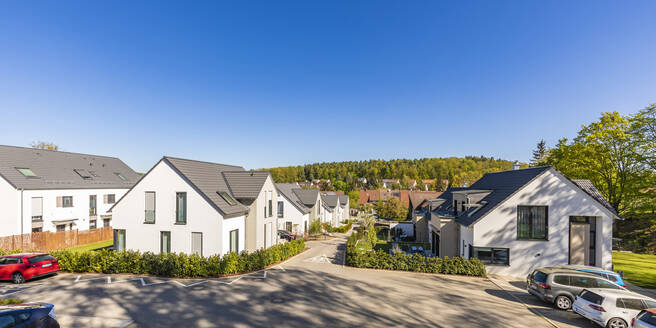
435,243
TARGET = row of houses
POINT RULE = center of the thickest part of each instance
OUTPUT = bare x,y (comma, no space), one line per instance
179,205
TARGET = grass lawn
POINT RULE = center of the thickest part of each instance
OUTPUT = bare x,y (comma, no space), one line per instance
92,247
639,269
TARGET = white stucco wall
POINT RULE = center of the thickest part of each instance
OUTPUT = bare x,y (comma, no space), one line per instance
79,212
267,192
564,199
291,214
9,209
129,214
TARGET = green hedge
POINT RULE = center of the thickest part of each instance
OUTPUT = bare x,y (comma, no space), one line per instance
382,260
174,265
340,229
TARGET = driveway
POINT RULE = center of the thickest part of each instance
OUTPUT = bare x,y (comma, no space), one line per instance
311,289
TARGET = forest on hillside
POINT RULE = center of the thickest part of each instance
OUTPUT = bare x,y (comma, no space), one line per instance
346,175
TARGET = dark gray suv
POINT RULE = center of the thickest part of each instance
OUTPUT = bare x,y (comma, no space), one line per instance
560,286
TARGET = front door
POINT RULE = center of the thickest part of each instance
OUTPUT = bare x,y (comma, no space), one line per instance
579,243
435,245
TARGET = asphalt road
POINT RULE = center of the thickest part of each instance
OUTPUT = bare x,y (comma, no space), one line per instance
311,289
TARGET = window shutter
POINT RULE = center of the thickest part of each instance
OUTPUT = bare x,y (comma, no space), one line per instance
105,200
37,206
60,202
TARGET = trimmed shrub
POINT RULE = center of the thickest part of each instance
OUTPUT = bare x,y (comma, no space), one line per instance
175,265
401,261
340,229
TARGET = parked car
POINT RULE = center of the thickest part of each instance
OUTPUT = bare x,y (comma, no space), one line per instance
645,319
284,234
560,286
611,308
25,266
610,275
37,315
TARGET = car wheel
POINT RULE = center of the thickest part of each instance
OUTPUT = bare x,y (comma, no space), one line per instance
617,323
563,303
17,278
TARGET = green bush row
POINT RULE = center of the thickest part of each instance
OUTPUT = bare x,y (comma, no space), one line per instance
400,261
340,229
172,264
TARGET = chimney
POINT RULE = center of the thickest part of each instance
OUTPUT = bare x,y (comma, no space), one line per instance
516,165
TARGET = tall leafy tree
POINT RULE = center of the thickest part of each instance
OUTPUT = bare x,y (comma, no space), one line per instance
540,153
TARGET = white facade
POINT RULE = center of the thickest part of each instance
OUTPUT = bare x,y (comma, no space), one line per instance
201,217
564,199
261,222
291,215
53,212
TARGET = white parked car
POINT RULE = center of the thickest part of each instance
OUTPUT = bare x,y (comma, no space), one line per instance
645,319
612,308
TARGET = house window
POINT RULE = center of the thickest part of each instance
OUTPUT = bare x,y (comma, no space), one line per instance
64,201
37,209
234,241
92,205
27,172
37,229
83,174
270,204
165,242
61,227
288,226
281,209
532,222
490,255
150,207
228,199
120,176
93,224
110,199
107,222
119,240
181,208
197,243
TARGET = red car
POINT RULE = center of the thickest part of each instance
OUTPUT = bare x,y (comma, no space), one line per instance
25,266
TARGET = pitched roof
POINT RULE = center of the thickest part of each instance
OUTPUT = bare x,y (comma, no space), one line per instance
307,196
330,200
287,191
246,184
503,185
55,170
590,189
343,199
416,198
208,179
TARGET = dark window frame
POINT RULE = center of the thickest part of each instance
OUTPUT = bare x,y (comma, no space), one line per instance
473,250
161,242
180,215
531,223
64,201
154,210
281,209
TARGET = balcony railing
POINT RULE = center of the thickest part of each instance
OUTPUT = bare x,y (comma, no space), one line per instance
150,216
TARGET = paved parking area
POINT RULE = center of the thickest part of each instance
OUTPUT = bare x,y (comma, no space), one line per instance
312,289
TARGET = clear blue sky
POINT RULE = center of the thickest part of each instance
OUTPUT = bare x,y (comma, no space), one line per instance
272,83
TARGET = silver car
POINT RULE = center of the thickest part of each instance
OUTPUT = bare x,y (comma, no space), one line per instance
645,319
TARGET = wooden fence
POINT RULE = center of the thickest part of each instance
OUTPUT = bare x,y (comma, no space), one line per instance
49,241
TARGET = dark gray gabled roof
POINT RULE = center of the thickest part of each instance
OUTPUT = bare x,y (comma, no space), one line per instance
246,184
287,191
330,200
307,196
55,170
590,189
343,199
503,185
208,179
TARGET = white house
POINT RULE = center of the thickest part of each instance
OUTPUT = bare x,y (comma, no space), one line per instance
515,221
293,215
310,198
45,190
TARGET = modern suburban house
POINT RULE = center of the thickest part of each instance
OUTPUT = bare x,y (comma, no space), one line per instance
46,190
293,215
311,199
197,207
336,208
417,213
518,220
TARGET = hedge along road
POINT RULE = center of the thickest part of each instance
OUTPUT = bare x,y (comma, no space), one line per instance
311,289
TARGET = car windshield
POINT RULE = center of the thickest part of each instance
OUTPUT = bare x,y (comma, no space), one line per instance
592,297
540,276
40,258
